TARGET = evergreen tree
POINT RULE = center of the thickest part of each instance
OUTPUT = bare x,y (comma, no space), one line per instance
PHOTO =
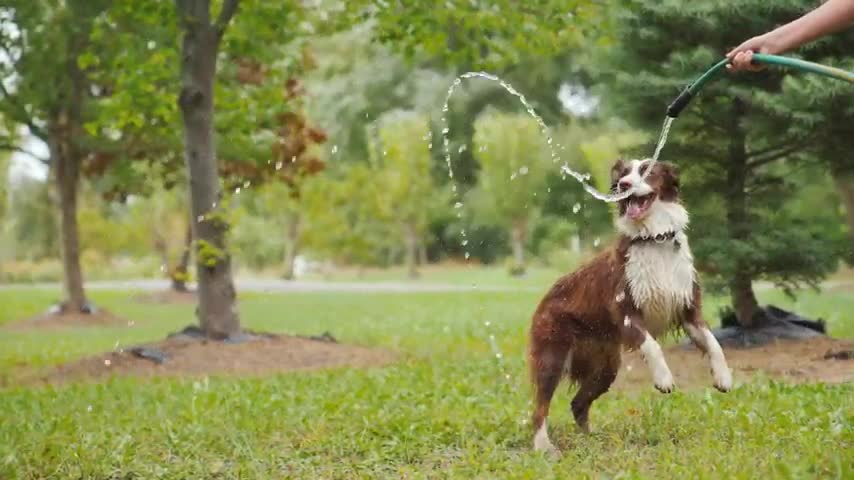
739,141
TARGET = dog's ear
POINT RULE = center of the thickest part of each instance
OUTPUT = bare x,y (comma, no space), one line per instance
671,171
670,175
617,172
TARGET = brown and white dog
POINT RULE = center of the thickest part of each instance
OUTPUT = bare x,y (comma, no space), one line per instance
625,297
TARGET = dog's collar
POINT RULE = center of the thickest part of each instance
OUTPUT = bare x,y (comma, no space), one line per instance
658,238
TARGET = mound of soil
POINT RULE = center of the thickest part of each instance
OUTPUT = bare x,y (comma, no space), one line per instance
819,359
181,355
168,297
51,320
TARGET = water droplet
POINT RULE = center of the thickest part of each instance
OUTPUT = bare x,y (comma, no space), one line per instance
107,362
89,408
461,149
200,218
334,149
465,242
596,242
523,170
498,355
385,153
246,184
237,191
620,297
576,208
458,205
486,323
467,255
279,165
163,268
131,323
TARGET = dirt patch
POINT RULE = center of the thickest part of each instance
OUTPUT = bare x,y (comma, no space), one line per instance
263,356
167,297
50,321
814,360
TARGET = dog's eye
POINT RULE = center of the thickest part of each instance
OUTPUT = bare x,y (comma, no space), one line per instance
644,168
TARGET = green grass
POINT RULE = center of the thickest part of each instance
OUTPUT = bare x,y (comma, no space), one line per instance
446,411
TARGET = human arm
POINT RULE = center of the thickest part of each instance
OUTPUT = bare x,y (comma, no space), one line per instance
830,17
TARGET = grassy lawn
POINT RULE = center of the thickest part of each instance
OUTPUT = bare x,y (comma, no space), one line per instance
447,410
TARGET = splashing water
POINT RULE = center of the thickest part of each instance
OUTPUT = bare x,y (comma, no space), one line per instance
553,146
565,169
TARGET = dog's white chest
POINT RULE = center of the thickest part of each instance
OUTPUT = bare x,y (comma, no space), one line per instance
660,278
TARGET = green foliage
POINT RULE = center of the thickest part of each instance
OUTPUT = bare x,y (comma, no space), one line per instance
208,254
401,167
488,34
344,217
33,230
356,82
4,187
772,117
432,415
41,40
514,165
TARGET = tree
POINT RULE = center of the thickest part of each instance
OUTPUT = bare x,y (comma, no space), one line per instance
344,217
731,143
402,164
514,166
47,91
201,40
4,187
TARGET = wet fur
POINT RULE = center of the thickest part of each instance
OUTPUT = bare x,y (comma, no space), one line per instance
587,317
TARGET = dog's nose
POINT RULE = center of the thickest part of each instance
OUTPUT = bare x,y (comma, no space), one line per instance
624,185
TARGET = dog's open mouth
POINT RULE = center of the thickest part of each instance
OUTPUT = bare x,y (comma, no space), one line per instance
637,206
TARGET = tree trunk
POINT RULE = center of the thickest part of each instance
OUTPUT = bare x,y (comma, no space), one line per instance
67,180
575,243
292,240
738,222
65,126
410,234
844,182
217,309
422,253
518,233
179,274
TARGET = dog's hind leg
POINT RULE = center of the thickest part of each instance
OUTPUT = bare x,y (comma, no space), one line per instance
546,362
594,369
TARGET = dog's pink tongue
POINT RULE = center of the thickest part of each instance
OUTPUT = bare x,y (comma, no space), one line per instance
634,210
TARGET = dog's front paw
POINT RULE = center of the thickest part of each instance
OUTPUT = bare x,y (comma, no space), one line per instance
723,379
664,382
547,449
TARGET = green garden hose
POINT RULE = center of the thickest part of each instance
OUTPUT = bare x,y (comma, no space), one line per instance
691,90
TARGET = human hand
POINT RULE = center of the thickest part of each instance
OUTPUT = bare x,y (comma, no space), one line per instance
741,57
